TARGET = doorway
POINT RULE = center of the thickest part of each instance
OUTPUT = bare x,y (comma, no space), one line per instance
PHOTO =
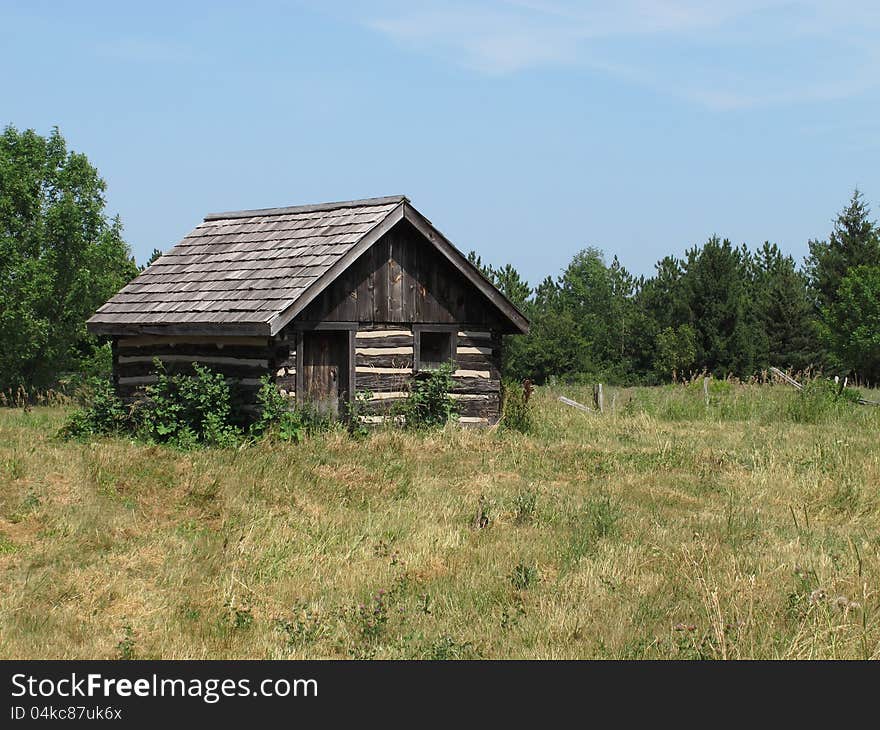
326,370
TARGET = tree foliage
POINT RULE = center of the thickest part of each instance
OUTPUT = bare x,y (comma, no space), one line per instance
851,324
61,257
720,308
854,241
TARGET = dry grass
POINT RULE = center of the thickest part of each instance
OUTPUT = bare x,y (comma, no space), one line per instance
668,528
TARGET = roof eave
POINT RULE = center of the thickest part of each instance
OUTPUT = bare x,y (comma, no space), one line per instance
96,326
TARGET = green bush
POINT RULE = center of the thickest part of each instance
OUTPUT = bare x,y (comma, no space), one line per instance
101,412
821,398
429,404
278,419
516,413
188,410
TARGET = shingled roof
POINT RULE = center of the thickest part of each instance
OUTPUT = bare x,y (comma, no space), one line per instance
252,271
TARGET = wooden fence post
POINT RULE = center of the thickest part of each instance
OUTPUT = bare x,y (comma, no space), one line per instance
598,398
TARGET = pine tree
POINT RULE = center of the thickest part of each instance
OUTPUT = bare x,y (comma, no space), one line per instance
715,283
854,241
784,311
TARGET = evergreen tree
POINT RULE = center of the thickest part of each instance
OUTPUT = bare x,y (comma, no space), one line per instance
715,283
784,311
854,241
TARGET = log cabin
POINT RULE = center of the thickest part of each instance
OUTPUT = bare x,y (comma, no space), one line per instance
329,300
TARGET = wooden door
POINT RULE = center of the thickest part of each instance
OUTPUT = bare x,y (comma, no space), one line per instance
326,370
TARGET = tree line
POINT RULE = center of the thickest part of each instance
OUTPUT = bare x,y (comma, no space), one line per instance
720,308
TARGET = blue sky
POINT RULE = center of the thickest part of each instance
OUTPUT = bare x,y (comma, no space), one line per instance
524,130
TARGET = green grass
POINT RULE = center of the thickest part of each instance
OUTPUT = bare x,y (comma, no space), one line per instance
665,528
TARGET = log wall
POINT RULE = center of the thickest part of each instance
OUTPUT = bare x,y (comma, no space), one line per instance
384,367
242,359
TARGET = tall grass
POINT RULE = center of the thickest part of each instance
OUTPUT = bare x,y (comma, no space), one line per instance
668,527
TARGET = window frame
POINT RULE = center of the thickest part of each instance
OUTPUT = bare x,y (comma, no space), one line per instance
451,329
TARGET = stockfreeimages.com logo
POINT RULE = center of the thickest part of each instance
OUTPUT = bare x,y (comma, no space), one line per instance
209,690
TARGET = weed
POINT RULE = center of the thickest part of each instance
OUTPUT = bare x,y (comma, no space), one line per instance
7,547
125,649
303,628
516,413
429,403
240,617
446,648
525,503
523,576
373,617
598,521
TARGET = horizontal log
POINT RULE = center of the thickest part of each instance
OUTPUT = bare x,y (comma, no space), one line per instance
381,382
383,342
475,334
478,362
384,361
186,349
148,341
185,368
150,379
484,407
475,385
201,359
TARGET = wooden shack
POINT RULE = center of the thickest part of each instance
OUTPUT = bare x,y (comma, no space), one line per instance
329,299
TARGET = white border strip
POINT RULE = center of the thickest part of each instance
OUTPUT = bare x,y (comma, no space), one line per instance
472,374
383,351
376,334
383,371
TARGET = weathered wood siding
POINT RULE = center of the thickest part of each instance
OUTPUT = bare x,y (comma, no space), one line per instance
402,279
243,359
384,367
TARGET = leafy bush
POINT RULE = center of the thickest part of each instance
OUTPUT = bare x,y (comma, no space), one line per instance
101,411
516,413
278,419
429,404
188,410
819,399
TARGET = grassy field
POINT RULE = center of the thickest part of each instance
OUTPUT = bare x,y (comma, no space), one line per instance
669,528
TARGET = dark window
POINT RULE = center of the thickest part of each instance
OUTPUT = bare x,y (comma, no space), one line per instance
435,348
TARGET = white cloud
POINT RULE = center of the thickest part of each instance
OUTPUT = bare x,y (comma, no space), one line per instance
723,55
